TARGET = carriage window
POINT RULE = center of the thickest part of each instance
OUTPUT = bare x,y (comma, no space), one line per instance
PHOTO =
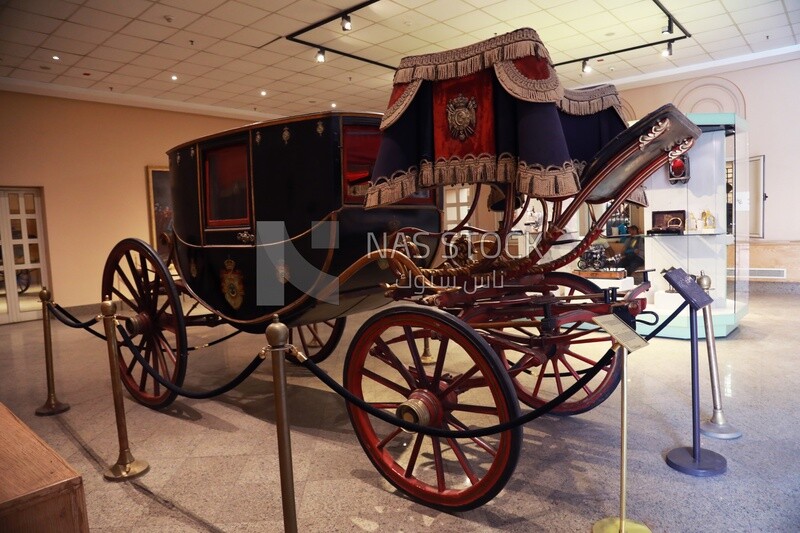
361,145
226,186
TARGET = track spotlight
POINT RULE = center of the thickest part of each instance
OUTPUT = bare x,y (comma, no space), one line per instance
668,29
585,67
347,25
321,55
668,50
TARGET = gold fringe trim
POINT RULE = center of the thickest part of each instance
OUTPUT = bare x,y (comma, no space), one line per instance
359,189
580,166
484,168
550,182
590,100
390,190
470,59
401,104
520,86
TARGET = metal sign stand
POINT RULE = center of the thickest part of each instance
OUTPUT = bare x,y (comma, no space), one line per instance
693,460
622,524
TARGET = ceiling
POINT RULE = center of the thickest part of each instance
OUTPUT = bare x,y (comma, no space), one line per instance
225,53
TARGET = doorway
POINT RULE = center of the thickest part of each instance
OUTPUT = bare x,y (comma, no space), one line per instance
23,269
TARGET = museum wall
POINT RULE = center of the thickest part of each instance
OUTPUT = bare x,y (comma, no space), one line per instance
89,159
766,96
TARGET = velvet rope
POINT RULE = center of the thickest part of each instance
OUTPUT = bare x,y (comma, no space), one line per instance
257,360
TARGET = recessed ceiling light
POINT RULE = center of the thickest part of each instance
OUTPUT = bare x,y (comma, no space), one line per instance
263,93
174,77
333,104
56,58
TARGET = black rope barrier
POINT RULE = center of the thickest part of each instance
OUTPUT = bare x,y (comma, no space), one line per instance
214,342
365,406
257,360
66,318
466,434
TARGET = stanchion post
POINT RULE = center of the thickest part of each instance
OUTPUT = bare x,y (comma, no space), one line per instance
277,336
51,406
126,466
717,427
625,340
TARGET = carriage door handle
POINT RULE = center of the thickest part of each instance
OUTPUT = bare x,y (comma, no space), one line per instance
246,237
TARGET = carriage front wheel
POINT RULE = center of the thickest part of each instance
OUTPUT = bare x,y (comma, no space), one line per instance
440,371
152,316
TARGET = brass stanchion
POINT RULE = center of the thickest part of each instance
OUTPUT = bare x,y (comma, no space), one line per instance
51,406
718,426
612,523
126,466
277,335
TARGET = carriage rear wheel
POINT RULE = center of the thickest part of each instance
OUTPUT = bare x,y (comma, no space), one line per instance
318,340
576,347
429,366
153,318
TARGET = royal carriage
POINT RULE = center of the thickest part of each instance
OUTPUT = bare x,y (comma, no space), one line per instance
318,217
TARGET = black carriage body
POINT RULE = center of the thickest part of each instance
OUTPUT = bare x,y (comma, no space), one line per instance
304,176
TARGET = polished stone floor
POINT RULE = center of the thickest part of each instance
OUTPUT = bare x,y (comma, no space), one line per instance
214,462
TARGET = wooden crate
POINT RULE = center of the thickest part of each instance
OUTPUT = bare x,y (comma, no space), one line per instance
39,491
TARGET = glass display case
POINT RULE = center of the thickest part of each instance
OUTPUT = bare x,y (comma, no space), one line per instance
700,223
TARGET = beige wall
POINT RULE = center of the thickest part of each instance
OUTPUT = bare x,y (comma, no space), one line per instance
767,99
90,160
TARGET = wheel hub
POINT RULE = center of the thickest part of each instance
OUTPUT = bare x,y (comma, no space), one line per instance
422,407
137,324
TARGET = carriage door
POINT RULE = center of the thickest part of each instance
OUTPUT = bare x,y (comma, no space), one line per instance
22,262
228,214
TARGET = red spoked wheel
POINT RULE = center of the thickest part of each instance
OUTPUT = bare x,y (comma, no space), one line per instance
574,348
430,367
153,318
318,340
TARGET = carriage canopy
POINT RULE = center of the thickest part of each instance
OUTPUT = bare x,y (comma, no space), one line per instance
493,112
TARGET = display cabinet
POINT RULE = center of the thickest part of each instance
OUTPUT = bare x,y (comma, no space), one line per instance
698,221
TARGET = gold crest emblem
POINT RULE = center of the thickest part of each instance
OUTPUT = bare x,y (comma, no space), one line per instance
232,284
461,117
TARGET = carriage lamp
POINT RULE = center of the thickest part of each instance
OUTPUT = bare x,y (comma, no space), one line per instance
679,169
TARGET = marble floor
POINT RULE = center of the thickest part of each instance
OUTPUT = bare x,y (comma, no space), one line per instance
214,462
